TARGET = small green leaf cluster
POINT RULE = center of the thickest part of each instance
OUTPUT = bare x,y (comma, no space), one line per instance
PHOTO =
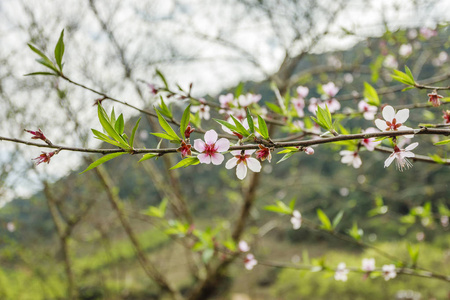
46,62
280,207
326,224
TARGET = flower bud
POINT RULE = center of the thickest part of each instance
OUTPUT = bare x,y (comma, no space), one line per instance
309,150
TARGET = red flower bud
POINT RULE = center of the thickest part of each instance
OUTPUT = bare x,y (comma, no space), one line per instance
446,116
434,98
37,135
44,157
188,131
185,149
263,153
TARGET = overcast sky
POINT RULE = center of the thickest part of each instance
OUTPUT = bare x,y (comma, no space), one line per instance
151,30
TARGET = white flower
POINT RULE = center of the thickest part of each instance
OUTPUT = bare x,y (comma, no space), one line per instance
250,261
309,151
241,161
333,105
226,100
402,157
11,226
296,219
243,246
389,272
203,111
368,264
370,143
313,104
368,111
394,121
248,99
405,50
390,62
351,158
211,147
341,272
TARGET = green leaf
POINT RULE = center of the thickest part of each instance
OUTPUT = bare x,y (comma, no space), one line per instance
148,156
338,219
280,207
47,64
59,50
158,72
413,254
292,204
104,120
275,108
164,109
240,128
41,73
227,125
119,125
103,160
326,224
356,232
371,94
251,125
402,77
39,52
410,75
165,125
286,156
289,150
442,142
188,161
262,126
239,89
133,133
105,138
164,136
185,120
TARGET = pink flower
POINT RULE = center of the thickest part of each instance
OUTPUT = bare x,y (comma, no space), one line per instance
313,104
434,98
351,158
248,99
37,135
427,32
302,92
203,111
330,89
370,143
309,150
341,272
299,104
402,157
296,219
153,89
243,246
333,105
389,272
44,157
211,148
250,261
393,121
11,226
368,264
242,160
368,111
226,100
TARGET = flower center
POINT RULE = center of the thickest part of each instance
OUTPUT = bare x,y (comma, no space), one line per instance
210,149
393,126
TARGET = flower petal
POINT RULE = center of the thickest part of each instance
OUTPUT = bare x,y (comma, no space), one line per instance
402,115
204,158
222,145
231,163
199,145
217,158
210,137
241,171
389,160
357,162
381,124
412,146
235,152
253,164
389,113
249,152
